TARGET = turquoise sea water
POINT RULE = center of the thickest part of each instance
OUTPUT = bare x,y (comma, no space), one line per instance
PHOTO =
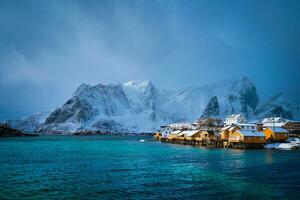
102,167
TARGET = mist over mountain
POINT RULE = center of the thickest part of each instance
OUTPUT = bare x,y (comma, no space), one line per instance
139,106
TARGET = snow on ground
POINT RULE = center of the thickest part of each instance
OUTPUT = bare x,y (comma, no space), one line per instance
293,143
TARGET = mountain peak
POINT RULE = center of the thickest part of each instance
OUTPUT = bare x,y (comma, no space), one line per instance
81,88
139,84
244,82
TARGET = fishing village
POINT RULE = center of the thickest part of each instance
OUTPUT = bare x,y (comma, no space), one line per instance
234,132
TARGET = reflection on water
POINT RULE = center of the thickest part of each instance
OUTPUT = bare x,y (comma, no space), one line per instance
122,167
269,156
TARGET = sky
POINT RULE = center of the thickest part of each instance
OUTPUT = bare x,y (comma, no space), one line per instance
48,48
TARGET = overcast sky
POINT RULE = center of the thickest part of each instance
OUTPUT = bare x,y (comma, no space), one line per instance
48,48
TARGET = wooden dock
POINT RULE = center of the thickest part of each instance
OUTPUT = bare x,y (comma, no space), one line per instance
214,144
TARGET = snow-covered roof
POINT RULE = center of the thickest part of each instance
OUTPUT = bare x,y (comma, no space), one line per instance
246,124
180,134
190,133
175,132
225,128
232,128
252,133
278,130
276,124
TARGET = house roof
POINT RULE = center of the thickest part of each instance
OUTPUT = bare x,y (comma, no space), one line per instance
246,124
175,132
180,134
252,133
225,128
275,124
232,128
278,130
190,133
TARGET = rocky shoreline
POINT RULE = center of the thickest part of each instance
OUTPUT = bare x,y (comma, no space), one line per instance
7,131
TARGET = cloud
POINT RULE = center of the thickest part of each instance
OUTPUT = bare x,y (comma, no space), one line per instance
48,48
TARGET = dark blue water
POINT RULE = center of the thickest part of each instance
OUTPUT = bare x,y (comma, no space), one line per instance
102,167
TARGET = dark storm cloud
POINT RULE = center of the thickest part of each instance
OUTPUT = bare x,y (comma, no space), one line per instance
47,48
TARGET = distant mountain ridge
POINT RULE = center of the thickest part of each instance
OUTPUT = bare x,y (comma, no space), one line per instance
139,106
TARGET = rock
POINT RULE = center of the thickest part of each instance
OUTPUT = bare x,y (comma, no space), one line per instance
7,131
212,108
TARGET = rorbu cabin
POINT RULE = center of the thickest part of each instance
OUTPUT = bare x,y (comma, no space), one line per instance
247,137
232,129
225,133
173,134
293,128
207,135
191,135
157,135
180,136
276,134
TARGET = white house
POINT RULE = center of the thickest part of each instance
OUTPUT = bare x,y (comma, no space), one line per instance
165,131
248,127
235,119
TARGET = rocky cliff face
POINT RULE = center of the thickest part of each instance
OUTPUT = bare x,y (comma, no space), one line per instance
212,108
278,106
7,131
138,106
243,98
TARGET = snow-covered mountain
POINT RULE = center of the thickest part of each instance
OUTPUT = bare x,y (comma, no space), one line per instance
132,107
139,106
278,105
29,123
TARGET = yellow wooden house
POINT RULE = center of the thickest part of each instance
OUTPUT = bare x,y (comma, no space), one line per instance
234,128
276,134
247,137
207,135
191,135
180,136
174,135
157,135
225,133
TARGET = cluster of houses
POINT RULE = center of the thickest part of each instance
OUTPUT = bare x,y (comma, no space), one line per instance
235,132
